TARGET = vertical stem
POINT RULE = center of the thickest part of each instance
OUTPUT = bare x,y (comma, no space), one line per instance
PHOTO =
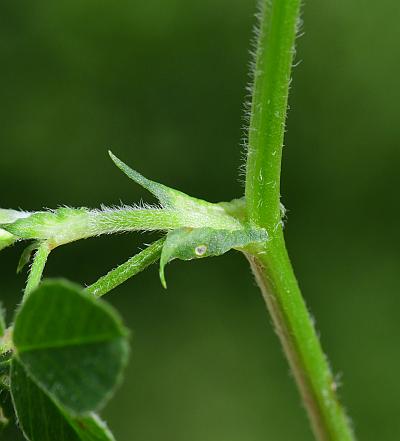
274,57
271,264
37,268
293,324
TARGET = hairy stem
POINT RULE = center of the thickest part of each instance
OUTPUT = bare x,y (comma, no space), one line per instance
271,264
293,324
122,273
37,268
274,57
114,221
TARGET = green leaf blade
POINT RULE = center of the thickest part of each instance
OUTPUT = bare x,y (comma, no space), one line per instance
74,346
41,419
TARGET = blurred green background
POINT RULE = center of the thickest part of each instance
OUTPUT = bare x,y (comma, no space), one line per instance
162,83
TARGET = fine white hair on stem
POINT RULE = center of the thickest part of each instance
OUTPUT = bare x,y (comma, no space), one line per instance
248,99
262,7
126,207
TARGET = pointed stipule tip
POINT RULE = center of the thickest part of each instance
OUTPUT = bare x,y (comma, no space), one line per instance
162,279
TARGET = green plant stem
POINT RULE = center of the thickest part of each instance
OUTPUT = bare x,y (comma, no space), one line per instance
124,220
128,269
274,58
275,276
37,268
271,264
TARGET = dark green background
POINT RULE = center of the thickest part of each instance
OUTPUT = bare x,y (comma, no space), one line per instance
162,82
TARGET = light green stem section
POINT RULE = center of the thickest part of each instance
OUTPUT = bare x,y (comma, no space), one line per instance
66,225
114,221
274,275
122,273
274,58
37,268
271,264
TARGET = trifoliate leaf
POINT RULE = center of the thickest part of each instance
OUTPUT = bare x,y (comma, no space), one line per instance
73,346
42,419
187,244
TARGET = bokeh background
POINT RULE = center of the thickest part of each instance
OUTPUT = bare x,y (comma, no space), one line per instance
162,83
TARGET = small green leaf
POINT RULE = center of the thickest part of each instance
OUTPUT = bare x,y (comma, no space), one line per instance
72,345
42,419
187,244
